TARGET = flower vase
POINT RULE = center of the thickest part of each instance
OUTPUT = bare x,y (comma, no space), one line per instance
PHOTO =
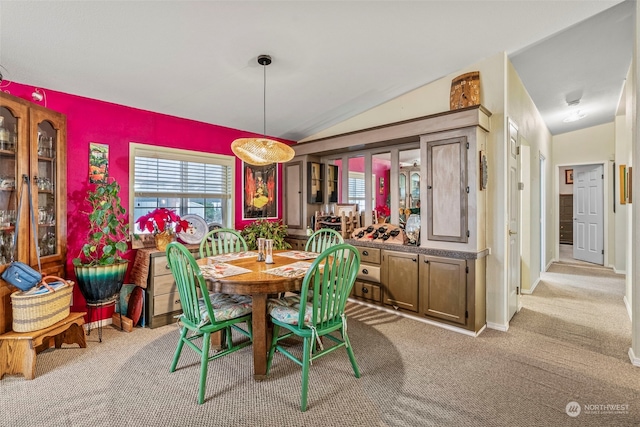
163,239
382,219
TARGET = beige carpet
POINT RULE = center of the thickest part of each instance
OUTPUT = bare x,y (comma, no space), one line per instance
568,343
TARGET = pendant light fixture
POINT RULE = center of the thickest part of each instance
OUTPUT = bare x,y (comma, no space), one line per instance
262,151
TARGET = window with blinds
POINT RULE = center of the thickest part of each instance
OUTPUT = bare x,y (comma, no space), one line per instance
184,181
356,189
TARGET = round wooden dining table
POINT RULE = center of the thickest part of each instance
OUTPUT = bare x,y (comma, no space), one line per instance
259,285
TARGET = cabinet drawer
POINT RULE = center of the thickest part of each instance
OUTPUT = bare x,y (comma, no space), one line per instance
164,285
367,291
370,255
159,266
369,273
166,303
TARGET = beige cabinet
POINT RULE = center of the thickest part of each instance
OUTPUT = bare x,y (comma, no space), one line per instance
33,143
443,288
293,215
367,285
297,244
161,294
447,190
400,279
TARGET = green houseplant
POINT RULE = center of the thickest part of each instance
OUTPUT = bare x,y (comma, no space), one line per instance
100,268
275,230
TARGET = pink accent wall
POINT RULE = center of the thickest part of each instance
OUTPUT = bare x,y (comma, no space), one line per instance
91,120
381,169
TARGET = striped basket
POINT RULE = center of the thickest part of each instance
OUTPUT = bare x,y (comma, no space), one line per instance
33,312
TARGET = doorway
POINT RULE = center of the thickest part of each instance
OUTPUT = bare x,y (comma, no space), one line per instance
581,214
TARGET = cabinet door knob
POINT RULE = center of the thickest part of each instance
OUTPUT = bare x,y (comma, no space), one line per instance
426,261
414,259
166,267
365,253
365,290
365,271
177,301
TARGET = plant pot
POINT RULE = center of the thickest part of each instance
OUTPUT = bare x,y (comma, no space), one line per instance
101,283
162,240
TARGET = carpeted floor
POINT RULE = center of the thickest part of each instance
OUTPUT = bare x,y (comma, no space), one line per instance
568,344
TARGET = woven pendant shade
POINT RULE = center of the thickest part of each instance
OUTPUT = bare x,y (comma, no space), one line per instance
261,151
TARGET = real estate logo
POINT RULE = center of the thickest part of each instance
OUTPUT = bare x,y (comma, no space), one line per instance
573,409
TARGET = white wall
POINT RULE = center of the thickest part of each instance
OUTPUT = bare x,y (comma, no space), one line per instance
533,133
587,146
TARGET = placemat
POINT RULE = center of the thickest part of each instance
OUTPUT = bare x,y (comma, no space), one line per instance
220,270
233,256
299,254
296,269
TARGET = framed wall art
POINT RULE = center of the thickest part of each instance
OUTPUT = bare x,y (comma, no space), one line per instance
260,191
623,184
568,176
98,163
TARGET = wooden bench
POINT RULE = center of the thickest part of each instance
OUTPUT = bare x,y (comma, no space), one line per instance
18,349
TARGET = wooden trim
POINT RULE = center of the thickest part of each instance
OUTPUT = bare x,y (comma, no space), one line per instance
449,120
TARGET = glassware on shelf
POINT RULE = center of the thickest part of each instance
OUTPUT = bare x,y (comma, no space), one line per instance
412,229
4,135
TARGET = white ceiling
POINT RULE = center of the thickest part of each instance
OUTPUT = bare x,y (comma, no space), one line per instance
331,60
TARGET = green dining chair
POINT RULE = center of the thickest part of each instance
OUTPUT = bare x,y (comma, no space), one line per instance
325,288
222,241
205,315
323,239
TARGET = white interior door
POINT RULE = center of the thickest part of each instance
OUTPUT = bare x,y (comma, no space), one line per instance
588,215
513,215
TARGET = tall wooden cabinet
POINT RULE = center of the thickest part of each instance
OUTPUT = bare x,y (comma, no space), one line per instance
33,143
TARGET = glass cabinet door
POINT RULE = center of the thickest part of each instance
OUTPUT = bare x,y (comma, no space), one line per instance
8,184
45,181
402,181
415,189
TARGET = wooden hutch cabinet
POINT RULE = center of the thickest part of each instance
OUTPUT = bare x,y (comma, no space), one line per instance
33,143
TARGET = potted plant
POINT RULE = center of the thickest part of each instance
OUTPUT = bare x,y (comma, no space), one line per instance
275,230
383,212
163,223
100,268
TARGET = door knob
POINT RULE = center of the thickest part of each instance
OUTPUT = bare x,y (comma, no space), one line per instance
511,233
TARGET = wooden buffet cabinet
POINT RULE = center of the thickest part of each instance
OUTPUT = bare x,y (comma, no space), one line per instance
33,143
443,278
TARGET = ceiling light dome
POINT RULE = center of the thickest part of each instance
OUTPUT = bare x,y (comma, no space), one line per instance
575,116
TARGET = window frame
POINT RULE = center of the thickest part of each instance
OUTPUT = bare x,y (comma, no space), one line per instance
179,154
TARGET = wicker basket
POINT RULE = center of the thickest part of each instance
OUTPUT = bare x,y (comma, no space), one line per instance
33,312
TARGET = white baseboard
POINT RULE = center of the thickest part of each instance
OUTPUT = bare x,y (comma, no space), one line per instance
549,265
98,323
627,304
533,288
420,319
615,270
498,327
634,360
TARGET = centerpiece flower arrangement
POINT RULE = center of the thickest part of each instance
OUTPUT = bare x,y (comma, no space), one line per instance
163,223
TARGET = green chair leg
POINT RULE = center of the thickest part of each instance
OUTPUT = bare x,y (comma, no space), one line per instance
205,364
352,356
176,355
272,349
306,359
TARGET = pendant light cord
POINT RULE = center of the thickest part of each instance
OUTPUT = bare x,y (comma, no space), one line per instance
264,100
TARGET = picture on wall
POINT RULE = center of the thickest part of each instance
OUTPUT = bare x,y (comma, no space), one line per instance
260,183
623,184
98,163
568,176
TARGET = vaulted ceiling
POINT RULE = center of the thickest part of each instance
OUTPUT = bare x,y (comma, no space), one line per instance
331,60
